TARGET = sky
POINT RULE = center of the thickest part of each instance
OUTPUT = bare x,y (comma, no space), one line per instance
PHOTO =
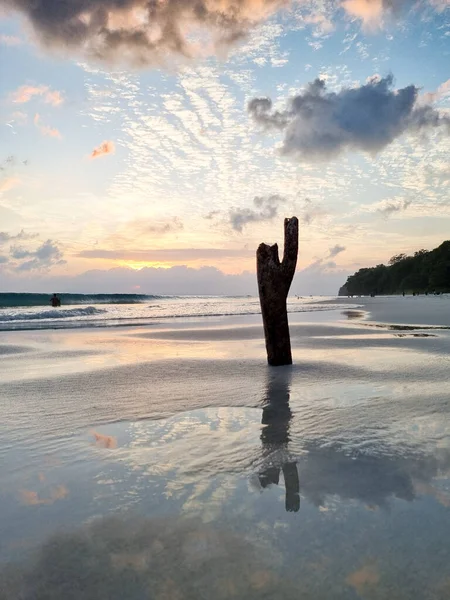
151,146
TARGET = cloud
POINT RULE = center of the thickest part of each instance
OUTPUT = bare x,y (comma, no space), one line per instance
142,31
311,212
440,5
175,280
19,118
213,213
374,13
8,178
168,226
8,162
8,183
10,40
105,148
322,24
370,12
443,91
320,265
3,259
26,92
335,250
319,125
22,235
266,209
389,207
43,258
45,129
154,32
165,254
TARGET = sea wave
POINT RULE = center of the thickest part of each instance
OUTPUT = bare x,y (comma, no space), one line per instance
16,299
87,311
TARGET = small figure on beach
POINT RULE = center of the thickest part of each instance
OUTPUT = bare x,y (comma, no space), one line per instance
55,301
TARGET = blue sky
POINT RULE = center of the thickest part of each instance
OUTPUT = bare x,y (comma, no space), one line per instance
148,159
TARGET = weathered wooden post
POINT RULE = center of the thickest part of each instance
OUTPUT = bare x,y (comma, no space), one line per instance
274,281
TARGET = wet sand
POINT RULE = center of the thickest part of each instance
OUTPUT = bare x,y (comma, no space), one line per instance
327,479
407,310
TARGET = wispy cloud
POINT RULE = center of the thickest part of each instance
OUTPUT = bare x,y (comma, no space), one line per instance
10,40
8,183
105,148
26,92
319,125
335,250
45,129
389,207
159,227
311,212
443,91
178,255
21,236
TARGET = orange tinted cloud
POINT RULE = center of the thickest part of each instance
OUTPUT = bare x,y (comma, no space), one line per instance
369,11
106,147
443,91
26,92
45,129
8,183
144,31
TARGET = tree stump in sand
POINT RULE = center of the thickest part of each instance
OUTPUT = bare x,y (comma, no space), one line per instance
274,281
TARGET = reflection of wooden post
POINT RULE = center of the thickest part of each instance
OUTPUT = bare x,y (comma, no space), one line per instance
274,281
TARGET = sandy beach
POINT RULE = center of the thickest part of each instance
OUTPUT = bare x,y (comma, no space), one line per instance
171,456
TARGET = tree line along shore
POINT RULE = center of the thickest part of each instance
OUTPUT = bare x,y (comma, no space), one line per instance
423,272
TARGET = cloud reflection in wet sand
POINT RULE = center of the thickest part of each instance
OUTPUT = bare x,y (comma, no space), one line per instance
104,441
200,456
164,559
32,498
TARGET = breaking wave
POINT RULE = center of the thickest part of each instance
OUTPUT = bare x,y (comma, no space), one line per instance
88,311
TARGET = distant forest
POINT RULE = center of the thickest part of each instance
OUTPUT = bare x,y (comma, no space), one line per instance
424,272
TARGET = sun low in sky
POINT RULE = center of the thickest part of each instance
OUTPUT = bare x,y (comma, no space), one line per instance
153,145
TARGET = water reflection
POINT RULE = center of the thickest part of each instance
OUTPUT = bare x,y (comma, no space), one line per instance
370,478
348,469
276,418
135,558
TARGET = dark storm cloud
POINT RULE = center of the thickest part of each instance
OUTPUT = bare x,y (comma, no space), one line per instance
142,31
319,125
266,209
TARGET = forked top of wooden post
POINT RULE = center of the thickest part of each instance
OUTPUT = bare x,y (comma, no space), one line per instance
268,258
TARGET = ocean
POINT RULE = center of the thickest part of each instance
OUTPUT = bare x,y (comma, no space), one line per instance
33,311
